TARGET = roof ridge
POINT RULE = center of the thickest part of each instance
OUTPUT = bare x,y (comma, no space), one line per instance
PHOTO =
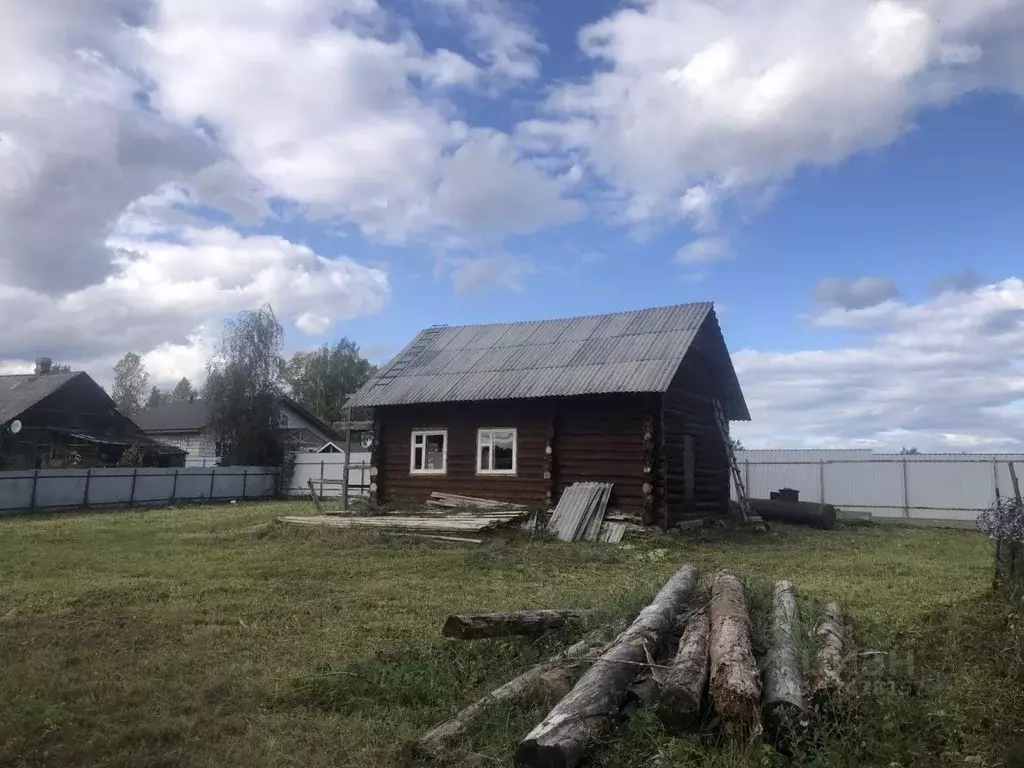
710,304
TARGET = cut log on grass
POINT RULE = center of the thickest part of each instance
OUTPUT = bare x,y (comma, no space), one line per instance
833,642
783,680
683,686
593,704
471,626
796,512
543,677
735,682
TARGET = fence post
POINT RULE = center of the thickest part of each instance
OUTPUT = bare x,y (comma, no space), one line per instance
174,485
85,496
135,475
821,478
348,462
906,492
245,482
35,482
213,474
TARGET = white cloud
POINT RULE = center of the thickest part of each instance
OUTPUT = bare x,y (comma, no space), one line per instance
77,149
347,120
861,293
164,296
313,323
168,362
506,44
945,374
698,205
739,95
119,120
486,190
472,276
704,250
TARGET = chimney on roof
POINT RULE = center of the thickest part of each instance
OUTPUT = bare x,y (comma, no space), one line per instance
43,365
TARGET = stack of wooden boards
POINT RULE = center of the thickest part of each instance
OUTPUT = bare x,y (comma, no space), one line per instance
454,501
689,656
579,515
427,526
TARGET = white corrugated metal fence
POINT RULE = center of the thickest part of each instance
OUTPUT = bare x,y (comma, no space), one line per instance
920,487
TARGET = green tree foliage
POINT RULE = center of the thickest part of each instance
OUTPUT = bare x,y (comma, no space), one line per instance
912,451
322,380
131,384
60,368
156,398
736,444
243,382
183,391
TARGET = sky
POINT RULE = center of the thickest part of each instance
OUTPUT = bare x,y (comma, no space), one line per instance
846,183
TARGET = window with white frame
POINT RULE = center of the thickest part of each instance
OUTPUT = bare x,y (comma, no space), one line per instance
429,452
496,451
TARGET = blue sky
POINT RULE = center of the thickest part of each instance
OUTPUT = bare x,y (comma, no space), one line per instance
944,198
844,183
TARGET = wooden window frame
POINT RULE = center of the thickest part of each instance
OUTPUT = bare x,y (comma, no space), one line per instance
425,433
515,451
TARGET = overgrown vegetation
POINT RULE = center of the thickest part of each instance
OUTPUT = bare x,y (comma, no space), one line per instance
208,636
323,379
130,384
243,383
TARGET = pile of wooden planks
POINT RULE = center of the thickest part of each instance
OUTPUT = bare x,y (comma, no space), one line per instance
580,513
454,501
459,522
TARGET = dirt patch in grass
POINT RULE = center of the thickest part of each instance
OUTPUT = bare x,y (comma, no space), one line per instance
209,636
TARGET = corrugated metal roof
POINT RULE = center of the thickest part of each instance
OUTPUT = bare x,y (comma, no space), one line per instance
624,352
19,392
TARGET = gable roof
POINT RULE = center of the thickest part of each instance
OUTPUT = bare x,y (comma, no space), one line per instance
195,416
623,352
181,416
19,392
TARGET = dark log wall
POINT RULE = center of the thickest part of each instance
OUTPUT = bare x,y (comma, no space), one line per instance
591,438
688,411
531,418
600,438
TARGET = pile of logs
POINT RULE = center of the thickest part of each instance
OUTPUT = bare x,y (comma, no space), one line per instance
688,653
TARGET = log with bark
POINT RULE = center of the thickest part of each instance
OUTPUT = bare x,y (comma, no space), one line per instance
593,704
735,682
479,625
783,679
543,677
833,640
683,686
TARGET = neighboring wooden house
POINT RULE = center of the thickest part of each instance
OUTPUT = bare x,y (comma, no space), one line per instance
519,411
187,425
67,420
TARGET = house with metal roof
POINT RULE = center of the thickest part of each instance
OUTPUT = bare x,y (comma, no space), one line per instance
59,420
519,411
188,425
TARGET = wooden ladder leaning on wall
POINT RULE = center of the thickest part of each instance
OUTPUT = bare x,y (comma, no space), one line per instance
742,499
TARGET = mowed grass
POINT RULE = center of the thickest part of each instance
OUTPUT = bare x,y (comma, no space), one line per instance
207,636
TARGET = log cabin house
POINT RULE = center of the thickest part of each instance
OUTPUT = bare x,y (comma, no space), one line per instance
66,420
519,411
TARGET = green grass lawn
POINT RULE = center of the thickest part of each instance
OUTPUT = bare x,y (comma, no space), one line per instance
204,636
